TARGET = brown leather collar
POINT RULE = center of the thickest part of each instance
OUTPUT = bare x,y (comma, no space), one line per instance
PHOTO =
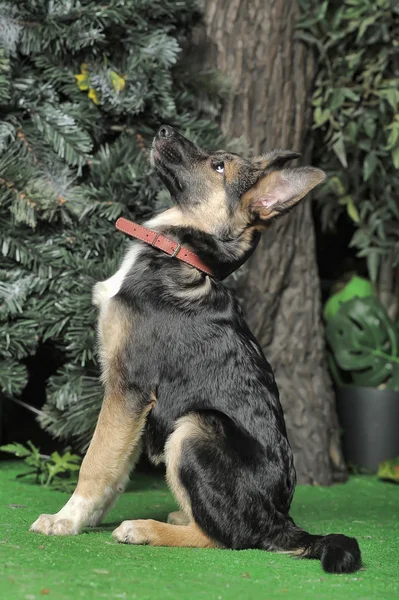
157,240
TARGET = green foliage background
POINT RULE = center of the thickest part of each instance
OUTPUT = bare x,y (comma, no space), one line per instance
83,88
356,116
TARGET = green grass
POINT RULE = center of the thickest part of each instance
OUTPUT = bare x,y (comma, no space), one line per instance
93,566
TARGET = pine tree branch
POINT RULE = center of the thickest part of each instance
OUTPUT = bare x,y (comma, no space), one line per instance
22,137
69,167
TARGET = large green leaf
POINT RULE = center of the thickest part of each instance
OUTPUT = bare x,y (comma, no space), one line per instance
356,287
365,342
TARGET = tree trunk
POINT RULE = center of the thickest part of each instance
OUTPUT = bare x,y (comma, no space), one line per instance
253,44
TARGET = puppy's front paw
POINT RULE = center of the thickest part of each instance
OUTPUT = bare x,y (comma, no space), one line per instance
133,532
54,525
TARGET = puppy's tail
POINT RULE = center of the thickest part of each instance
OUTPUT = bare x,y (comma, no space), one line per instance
338,553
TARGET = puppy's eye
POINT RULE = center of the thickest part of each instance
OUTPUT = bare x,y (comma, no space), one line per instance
218,167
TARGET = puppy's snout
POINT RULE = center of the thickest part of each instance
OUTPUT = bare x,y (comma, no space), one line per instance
165,132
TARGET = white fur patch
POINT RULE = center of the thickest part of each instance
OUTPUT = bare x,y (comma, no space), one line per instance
104,290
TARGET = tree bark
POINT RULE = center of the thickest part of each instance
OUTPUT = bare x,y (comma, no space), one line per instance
253,43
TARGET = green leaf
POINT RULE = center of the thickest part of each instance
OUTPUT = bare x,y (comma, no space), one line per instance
339,149
360,239
395,157
370,126
373,259
337,98
351,94
369,165
61,464
365,342
17,449
352,129
365,23
393,136
357,287
321,116
322,10
352,210
392,96
35,459
392,204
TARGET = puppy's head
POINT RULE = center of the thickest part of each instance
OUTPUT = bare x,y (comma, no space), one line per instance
223,193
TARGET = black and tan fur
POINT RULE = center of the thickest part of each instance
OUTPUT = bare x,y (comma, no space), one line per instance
184,378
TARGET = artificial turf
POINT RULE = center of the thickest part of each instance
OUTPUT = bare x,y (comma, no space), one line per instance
91,565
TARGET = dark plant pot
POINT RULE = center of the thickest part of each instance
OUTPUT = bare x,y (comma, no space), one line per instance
370,422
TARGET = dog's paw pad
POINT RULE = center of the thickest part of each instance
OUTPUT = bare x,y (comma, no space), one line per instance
53,525
132,532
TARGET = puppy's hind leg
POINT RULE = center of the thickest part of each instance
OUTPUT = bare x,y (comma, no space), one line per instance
155,533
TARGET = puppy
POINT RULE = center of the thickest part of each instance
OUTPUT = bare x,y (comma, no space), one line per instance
184,378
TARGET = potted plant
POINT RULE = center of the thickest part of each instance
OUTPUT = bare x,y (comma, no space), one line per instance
364,359
356,121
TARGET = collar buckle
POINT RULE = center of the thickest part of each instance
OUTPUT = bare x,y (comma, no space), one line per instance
176,251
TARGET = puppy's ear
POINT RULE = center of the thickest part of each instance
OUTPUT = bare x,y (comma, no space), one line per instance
277,191
275,159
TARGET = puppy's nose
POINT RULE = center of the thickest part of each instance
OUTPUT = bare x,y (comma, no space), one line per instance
166,132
